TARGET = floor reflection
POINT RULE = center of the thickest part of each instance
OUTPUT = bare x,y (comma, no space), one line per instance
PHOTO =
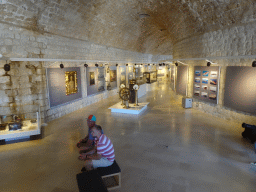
167,148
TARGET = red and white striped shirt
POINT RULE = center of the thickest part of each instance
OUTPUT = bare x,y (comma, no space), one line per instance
105,147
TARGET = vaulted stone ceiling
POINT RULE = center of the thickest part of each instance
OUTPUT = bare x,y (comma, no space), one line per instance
148,26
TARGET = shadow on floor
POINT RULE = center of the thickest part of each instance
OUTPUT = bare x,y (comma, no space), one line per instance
57,189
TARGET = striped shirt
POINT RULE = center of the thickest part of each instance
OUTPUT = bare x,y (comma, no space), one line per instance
105,147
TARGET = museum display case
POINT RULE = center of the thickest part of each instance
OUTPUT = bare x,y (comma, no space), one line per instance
20,127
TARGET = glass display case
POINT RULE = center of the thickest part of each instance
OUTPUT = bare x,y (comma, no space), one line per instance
20,127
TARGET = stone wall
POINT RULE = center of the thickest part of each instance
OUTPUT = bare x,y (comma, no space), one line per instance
24,88
18,42
228,47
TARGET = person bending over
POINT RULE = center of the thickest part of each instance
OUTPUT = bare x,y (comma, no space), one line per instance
87,143
101,156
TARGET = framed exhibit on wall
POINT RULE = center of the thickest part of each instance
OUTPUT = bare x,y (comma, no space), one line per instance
92,78
240,89
64,85
112,75
206,83
182,80
122,75
101,79
71,82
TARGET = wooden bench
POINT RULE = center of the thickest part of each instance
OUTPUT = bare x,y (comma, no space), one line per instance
111,176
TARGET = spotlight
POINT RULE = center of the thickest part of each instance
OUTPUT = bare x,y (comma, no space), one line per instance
85,65
116,64
254,64
176,64
208,64
61,66
96,65
127,64
7,67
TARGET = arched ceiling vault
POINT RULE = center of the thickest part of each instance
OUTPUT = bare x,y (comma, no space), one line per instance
147,26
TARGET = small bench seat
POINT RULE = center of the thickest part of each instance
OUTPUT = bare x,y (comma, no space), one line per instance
111,176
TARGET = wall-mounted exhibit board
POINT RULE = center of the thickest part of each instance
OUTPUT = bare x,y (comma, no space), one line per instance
92,80
113,76
64,85
101,79
172,76
122,75
182,80
240,89
206,81
130,73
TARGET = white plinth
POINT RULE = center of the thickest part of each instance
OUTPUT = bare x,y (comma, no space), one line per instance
118,108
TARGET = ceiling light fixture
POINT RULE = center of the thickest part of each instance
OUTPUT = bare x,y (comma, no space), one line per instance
61,65
7,67
254,64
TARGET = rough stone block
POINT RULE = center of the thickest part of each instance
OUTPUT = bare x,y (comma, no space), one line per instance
24,79
3,50
17,36
24,91
5,79
8,41
2,42
29,109
5,111
2,72
32,38
39,71
38,78
39,102
42,39
19,50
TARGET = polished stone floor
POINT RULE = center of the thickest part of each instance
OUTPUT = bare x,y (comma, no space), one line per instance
166,148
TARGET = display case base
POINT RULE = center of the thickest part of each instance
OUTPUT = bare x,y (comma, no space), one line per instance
118,108
20,139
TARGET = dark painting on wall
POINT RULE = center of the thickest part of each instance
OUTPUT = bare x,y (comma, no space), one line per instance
92,78
112,75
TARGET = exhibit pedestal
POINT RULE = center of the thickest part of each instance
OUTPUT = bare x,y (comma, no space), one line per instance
186,102
118,108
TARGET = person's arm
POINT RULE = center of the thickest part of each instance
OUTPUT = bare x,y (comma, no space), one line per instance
95,156
82,142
